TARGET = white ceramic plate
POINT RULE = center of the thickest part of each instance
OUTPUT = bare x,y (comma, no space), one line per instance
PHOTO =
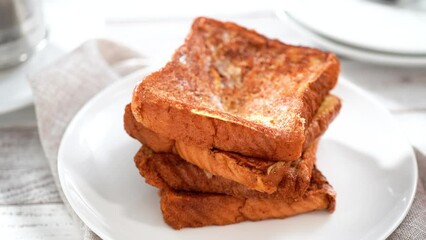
365,24
364,156
353,52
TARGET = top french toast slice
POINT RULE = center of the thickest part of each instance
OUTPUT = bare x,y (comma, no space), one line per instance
232,89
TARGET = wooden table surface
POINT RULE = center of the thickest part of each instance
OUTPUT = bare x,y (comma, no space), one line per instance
30,207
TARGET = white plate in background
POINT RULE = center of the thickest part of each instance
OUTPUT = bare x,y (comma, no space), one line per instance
364,24
353,52
364,156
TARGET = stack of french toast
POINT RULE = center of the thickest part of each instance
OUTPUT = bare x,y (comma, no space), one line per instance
230,127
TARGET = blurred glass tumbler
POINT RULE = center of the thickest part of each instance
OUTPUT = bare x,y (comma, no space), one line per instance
22,29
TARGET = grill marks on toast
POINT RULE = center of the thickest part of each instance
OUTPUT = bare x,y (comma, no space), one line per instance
228,77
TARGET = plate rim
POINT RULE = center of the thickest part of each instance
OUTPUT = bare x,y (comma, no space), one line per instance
95,226
356,53
347,41
61,171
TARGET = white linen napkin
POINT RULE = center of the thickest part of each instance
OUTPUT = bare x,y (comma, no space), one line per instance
63,88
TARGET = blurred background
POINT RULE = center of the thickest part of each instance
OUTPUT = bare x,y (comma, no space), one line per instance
381,43
374,35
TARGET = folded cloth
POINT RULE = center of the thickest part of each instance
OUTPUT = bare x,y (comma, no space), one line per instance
413,226
63,88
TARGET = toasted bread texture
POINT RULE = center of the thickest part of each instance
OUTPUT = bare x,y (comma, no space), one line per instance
328,110
164,170
191,209
260,175
144,135
232,89
254,173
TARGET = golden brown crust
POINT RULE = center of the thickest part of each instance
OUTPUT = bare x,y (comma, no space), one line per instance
186,209
190,209
259,174
326,113
232,89
144,135
169,170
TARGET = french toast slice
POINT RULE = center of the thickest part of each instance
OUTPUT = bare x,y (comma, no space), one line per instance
191,209
254,173
233,89
163,170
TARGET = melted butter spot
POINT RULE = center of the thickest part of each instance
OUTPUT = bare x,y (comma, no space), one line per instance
265,120
215,116
207,114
